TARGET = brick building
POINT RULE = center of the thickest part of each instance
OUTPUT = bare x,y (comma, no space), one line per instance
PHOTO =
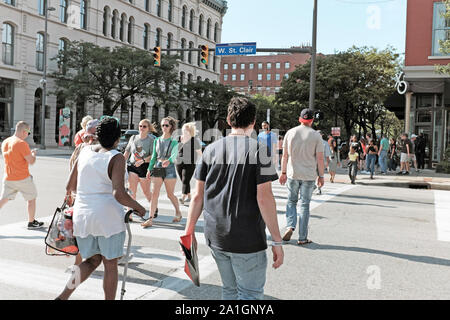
259,74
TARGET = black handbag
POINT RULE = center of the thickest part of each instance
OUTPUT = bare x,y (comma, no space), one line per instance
160,172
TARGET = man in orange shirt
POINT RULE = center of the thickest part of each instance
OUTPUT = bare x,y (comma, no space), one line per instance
18,157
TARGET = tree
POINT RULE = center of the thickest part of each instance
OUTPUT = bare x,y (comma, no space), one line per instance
445,44
112,76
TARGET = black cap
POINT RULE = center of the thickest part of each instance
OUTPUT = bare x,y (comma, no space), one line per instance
307,114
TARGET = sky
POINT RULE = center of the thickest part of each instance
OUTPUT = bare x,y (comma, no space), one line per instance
341,23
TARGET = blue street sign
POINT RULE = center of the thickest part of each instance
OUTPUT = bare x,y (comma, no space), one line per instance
235,49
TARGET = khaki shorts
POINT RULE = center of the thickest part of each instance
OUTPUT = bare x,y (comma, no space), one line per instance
25,186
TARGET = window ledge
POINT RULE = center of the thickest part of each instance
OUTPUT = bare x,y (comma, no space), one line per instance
439,58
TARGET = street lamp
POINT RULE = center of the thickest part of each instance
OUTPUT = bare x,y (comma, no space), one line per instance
312,85
44,80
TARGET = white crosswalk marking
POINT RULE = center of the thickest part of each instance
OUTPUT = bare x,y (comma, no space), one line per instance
442,214
51,280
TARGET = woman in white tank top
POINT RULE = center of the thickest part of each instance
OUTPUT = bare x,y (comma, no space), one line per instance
98,177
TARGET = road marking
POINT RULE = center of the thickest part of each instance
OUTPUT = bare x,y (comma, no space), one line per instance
442,214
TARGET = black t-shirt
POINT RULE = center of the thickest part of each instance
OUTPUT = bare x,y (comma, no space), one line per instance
231,169
187,152
403,147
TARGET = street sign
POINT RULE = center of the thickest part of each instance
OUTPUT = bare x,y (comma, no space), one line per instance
235,49
336,131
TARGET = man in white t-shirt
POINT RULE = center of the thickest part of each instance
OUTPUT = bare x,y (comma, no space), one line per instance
303,156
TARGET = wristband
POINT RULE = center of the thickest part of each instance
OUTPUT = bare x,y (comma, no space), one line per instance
321,177
276,243
283,173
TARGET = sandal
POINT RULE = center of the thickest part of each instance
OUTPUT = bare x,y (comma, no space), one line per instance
147,223
177,218
301,243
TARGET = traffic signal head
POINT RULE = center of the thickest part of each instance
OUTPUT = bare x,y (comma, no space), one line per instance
204,55
157,56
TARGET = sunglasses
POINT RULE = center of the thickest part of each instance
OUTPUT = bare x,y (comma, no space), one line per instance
141,126
166,125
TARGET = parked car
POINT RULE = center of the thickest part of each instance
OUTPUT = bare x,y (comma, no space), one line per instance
125,138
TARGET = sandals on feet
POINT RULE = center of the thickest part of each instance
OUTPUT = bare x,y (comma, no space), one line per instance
301,243
147,223
177,218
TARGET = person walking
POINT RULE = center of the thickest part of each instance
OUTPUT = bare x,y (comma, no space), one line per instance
334,158
98,177
405,155
189,151
383,153
138,153
361,150
420,151
353,159
17,178
164,155
326,156
372,151
303,156
268,138
234,193
280,150
392,154
413,157
78,139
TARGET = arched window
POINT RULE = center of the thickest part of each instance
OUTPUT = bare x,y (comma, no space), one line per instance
169,41
199,79
42,5
188,115
191,46
130,30
106,11
10,2
62,49
124,115
199,56
114,20
216,32
158,8
123,21
40,51
143,110
83,14
189,78
158,38
183,17
8,44
63,11
147,5
200,25
155,114
170,11
183,46
208,29
146,36
182,76
191,20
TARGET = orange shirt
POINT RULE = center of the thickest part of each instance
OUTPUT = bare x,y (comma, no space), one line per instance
14,151
79,137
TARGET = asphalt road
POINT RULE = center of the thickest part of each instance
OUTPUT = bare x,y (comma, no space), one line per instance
368,243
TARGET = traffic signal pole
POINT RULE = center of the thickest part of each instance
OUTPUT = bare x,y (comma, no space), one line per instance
312,81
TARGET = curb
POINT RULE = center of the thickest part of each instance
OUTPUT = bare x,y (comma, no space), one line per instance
407,184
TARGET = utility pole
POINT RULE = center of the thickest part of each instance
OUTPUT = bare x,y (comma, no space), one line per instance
312,86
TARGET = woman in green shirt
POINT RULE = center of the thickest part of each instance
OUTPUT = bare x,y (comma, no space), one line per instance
164,155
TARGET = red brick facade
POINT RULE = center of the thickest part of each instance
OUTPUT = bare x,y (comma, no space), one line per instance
243,72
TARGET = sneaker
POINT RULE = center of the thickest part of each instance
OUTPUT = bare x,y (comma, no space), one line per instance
35,225
156,214
288,234
406,173
400,173
124,259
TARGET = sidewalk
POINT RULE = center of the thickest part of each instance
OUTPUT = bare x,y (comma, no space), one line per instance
426,179
52,152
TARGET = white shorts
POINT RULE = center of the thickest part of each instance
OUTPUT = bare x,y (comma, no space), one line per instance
404,157
25,186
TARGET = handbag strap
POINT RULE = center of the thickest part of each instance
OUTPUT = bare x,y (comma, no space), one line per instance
168,148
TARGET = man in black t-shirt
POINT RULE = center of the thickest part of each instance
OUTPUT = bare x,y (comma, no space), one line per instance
234,192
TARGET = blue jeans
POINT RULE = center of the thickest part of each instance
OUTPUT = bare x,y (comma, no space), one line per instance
243,274
371,159
306,189
383,160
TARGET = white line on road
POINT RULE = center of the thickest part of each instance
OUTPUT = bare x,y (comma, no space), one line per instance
442,214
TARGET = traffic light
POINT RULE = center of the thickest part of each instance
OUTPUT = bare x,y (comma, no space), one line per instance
204,54
157,56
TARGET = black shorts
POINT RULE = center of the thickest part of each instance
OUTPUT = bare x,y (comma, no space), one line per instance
141,171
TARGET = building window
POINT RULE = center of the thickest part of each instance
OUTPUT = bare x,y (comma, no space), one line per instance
105,21
215,63
42,5
287,65
83,14
225,77
63,11
441,27
170,10
277,77
158,38
122,27
143,110
260,66
233,77
147,5
158,8
199,57
114,20
286,75
62,49
169,41
200,25
225,66
208,28
40,51
191,21
251,66
259,76
10,2
242,77
242,66
130,30
191,46
216,32
269,77
183,46
278,65
234,66
155,114
183,17
269,66
146,36
8,44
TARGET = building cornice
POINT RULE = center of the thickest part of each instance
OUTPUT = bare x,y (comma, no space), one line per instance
218,5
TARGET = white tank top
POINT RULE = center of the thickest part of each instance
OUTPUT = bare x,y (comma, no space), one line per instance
96,211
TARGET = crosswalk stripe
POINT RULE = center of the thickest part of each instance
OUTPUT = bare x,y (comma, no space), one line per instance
442,214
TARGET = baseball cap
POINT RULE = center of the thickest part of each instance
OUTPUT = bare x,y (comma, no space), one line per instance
413,136
307,116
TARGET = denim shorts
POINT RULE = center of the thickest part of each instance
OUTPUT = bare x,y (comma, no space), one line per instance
110,248
171,173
